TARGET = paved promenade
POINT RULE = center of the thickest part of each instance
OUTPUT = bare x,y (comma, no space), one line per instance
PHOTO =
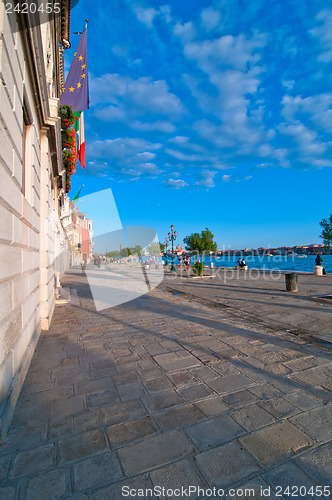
261,296
171,390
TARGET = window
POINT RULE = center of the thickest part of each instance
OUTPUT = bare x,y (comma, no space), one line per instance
27,149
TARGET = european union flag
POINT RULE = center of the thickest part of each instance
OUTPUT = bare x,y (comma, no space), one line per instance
76,91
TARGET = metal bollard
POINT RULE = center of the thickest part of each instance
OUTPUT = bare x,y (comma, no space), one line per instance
291,282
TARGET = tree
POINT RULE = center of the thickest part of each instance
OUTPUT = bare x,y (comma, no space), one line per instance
137,250
326,234
125,252
200,243
154,248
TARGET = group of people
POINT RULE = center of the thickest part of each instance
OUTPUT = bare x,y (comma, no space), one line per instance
241,263
186,262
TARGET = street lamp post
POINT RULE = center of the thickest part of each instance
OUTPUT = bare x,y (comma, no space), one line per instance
166,245
172,237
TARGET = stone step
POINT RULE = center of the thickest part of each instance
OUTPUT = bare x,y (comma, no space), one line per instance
64,297
74,300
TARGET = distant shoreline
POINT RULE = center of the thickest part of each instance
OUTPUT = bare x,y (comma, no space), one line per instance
266,263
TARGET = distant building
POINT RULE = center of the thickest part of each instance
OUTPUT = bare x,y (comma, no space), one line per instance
179,250
79,233
84,227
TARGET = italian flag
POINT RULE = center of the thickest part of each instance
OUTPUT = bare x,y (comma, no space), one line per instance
79,127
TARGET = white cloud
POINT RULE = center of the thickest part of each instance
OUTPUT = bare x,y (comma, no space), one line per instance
289,84
317,109
165,12
186,32
237,178
119,148
275,154
142,169
233,51
146,156
162,126
317,162
120,163
305,138
154,96
308,123
179,139
183,142
210,18
175,183
232,64
120,50
207,179
146,16
142,95
183,156
324,33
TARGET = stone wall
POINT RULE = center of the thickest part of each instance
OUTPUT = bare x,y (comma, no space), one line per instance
30,189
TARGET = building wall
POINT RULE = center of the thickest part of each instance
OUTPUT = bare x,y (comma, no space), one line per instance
29,189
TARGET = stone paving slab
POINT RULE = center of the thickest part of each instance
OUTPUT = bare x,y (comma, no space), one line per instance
165,389
81,446
114,491
52,484
253,417
182,474
227,464
288,475
317,464
28,462
96,471
276,443
127,432
317,423
154,452
213,432
178,417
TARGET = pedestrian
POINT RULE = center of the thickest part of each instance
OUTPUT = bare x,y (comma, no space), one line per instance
319,262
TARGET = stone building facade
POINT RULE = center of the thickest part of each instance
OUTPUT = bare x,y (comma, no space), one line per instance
32,185
79,233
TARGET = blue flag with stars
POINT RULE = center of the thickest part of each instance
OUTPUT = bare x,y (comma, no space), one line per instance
76,90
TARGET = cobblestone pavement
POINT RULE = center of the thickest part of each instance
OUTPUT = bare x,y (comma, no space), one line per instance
166,391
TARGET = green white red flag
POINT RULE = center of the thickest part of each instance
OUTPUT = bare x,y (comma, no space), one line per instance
81,142
79,127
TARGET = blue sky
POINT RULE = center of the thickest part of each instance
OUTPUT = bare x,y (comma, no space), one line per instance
211,114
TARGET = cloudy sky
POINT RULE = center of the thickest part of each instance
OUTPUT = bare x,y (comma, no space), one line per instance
211,114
